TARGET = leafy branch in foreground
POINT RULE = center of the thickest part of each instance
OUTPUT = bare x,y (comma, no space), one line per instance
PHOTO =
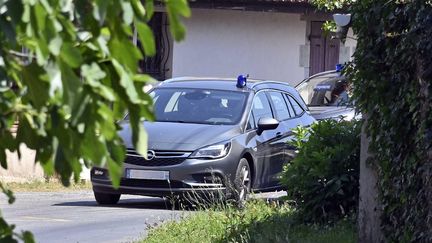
68,71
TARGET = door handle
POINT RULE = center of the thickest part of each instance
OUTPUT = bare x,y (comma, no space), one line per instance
278,135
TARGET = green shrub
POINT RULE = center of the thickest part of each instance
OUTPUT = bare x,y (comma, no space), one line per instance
323,180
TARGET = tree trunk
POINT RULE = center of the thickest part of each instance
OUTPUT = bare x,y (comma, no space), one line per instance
369,222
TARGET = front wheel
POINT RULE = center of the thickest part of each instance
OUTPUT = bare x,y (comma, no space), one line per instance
106,199
242,181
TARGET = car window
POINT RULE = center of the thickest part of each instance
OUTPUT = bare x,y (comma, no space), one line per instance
290,107
297,108
280,106
251,122
331,92
261,107
198,105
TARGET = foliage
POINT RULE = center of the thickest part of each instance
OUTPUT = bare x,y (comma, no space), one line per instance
393,76
78,76
323,179
257,222
332,5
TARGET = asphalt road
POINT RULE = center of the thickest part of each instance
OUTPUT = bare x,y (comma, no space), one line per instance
75,216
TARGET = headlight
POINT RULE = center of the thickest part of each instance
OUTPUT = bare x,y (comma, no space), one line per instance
212,152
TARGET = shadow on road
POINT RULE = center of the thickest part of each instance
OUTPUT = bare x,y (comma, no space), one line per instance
160,203
139,203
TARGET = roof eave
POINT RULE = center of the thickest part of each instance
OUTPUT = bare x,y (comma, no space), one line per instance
257,5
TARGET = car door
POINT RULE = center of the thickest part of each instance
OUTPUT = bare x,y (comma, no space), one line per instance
296,112
264,143
283,135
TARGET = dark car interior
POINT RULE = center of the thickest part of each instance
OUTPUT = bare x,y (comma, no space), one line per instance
198,106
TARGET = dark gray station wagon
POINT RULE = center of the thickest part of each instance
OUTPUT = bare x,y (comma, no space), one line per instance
231,130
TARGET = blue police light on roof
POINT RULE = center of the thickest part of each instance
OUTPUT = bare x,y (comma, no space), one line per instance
339,68
241,81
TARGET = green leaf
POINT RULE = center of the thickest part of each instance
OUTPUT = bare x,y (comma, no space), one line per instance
94,149
71,55
117,149
55,81
72,85
128,12
100,8
115,172
40,16
149,6
144,78
139,135
92,73
179,7
174,8
125,53
139,9
146,37
126,82
63,166
27,237
38,89
55,45
3,161
140,141
9,194
107,127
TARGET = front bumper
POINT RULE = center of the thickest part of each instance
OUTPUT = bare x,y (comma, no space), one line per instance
192,175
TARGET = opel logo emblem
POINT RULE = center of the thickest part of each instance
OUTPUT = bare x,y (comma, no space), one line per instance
151,155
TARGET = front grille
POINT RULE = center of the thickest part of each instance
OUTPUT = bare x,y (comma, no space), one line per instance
151,183
161,158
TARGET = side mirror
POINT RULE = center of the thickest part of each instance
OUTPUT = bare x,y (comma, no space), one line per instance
266,123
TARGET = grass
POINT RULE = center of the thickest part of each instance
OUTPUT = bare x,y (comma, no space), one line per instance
257,222
41,186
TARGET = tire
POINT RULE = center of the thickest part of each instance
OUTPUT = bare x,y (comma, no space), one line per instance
243,181
106,199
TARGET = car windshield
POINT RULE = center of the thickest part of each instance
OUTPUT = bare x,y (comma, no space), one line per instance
203,106
328,91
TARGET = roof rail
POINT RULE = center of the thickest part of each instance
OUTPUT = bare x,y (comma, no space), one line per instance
268,82
179,79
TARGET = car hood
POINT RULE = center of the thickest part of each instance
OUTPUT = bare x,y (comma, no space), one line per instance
180,136
326,112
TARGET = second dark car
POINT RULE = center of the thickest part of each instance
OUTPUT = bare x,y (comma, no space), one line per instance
210,128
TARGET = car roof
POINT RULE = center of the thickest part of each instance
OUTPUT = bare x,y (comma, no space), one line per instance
229,84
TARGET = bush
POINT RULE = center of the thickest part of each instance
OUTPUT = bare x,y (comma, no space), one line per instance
323,180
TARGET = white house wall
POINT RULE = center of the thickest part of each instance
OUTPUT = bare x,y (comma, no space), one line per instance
226,43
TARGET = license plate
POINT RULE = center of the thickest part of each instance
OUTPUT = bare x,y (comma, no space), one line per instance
147,174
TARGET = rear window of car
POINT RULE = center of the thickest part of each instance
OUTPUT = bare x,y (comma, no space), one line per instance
296,106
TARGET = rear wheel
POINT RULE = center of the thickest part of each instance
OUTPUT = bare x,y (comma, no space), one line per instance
106,199
243,181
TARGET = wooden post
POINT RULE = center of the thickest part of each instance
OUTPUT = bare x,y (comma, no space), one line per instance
369,216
